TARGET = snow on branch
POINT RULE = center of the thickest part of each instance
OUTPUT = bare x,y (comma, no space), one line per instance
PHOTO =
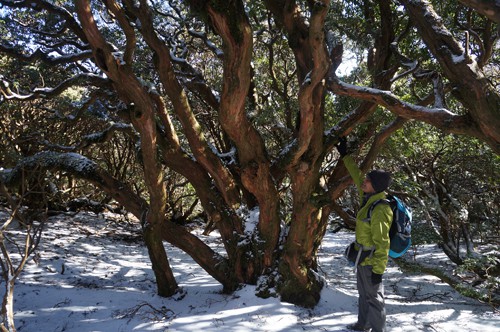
105,135
80,167
438,117
388,100
203,36
412,65
73,163
435,34
51,92
93,138
40,55
439,92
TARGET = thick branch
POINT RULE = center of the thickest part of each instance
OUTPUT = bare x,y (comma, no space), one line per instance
488,8
199,146
472,88
85,169
311,93
437,117
51,92
289,16
127,28
132,91
231,23
45,57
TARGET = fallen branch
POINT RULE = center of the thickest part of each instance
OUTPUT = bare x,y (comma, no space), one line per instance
456,283
158,314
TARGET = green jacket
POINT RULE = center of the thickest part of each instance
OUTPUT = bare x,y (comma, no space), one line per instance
374,232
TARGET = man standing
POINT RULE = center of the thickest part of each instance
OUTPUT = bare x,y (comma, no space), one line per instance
372,234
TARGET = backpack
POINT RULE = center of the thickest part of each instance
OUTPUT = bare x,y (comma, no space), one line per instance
400,231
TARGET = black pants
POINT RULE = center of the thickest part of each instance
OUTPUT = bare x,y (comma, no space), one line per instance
371,312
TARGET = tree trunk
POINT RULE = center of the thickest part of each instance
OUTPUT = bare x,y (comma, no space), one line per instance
142,108
231,23
165,280
469,243
300,284
8,306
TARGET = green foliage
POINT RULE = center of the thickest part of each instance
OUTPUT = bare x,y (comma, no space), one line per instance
468,170
422,233
484,262
488,266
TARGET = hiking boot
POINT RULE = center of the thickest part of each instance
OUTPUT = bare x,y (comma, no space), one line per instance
357,327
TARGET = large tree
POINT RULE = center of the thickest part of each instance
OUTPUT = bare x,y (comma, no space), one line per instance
244,100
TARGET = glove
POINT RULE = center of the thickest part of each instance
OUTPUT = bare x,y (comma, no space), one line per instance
376,278
342,146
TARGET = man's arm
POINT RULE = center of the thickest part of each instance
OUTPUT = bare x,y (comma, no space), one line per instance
354,171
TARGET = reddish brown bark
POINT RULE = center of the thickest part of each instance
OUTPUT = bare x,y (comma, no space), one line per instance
473,89
130,89
232,25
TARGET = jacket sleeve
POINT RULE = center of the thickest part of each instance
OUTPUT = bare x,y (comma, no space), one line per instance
354,171
380,224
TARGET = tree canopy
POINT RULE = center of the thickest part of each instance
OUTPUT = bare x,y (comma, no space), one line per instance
236,106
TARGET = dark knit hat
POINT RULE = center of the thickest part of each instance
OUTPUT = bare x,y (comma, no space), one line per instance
380,180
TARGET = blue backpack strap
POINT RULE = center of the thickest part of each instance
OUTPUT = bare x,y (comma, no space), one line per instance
372,207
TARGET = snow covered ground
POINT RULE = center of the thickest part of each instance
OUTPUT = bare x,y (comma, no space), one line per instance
93,275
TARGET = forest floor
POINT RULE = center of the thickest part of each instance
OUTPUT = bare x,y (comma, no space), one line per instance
92,273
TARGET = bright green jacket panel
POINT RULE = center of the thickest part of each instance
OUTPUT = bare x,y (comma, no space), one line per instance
374,232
